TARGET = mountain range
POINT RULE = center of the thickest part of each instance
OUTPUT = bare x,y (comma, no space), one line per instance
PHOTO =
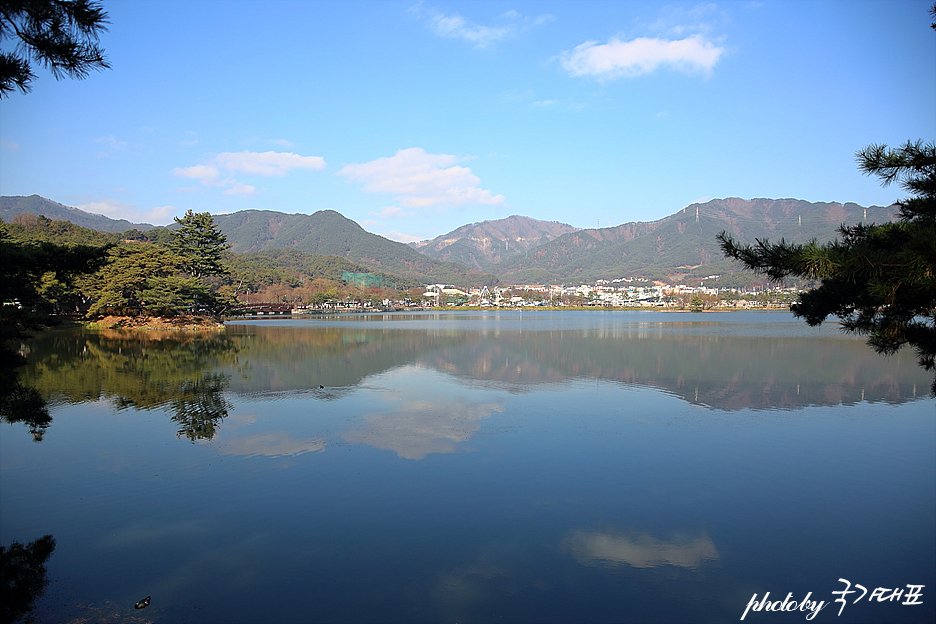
488,243
34,204
683,244
520,249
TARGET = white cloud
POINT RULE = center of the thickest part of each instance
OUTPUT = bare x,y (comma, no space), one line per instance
401,238
160,214
619,59
455,26
267,163
191,138
243,190
219,170
10,145
112,142
677,21
419,179
390,212
116,209
516,95
544,103
282,143
206,174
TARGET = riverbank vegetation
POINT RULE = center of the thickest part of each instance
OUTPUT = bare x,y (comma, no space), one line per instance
163,273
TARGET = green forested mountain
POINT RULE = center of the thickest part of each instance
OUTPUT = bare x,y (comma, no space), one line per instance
677,247
254,270
684,243
327,232
38,228
35,205
324,233
294,267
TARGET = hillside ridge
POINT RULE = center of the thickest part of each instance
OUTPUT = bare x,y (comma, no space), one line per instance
519,249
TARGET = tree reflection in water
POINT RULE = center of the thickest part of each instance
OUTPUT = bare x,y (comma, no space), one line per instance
200,407
19,403
142,370
23,574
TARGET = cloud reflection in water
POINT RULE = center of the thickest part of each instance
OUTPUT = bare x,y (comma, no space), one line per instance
418,428
270,444
642,551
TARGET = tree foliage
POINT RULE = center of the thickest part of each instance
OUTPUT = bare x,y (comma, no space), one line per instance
880,280
145,279
27,269
199,245
60,35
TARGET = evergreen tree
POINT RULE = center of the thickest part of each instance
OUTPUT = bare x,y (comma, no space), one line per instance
199,244
32,276
143,278
61,35
880,280
28,271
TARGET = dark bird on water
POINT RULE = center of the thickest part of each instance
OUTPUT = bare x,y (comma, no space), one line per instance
142,604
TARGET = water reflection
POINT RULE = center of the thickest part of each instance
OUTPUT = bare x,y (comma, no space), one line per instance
20,403
177,371
419,427
23,571
199,406
552,471
713,364
640,551
270,444
703,363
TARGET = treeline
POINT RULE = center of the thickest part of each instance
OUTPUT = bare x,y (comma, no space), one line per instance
158,272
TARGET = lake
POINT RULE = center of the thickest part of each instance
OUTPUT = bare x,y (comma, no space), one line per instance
553,466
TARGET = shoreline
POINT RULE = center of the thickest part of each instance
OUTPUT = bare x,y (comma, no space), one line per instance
183,322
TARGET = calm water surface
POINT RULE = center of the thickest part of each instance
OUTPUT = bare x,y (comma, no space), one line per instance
476,467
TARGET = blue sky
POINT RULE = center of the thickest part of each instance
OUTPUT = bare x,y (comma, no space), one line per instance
413,118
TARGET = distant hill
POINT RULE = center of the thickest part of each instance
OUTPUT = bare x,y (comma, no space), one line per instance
482,245
324,233
36,228
286,265
682,244
520,249
36,205
327,232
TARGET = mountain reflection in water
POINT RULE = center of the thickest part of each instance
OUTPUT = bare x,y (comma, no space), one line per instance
718,371
190,372
550,467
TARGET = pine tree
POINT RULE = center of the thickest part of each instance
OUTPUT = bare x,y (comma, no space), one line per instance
145,279
61,35
880,280
200,245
